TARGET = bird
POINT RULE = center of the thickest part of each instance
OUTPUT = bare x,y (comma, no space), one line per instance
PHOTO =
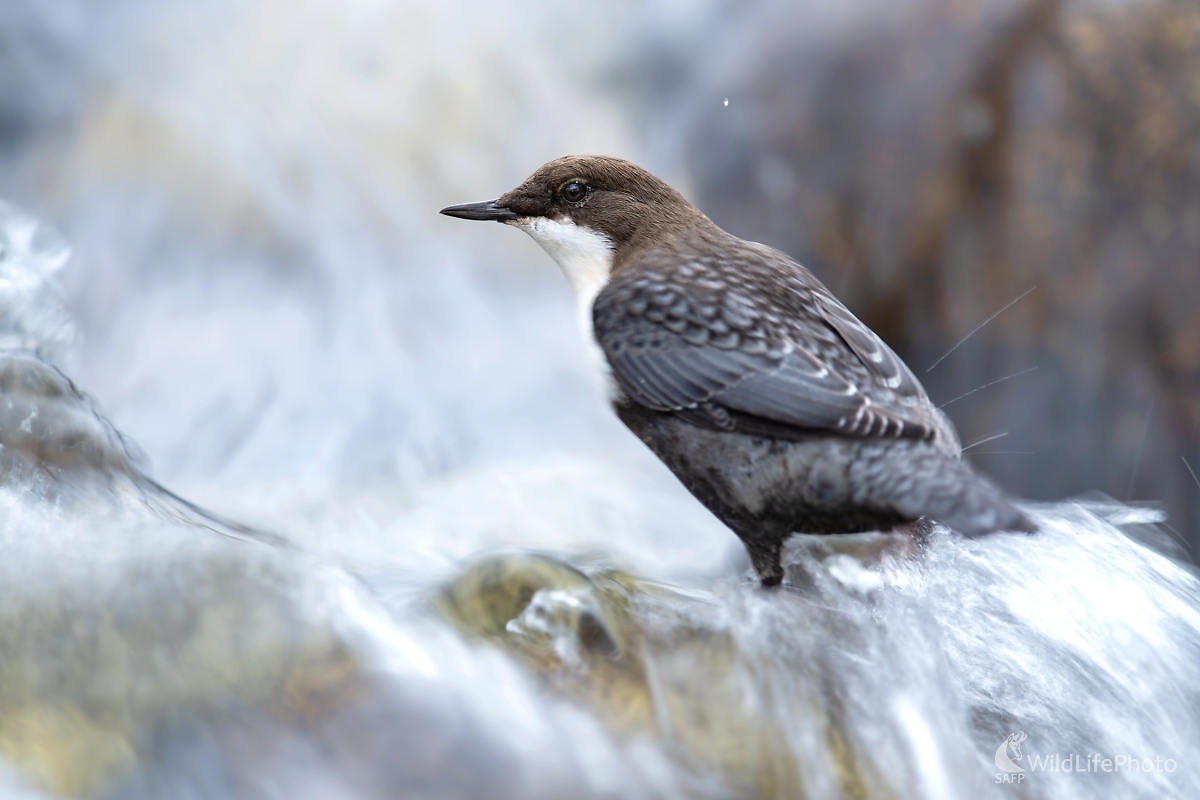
772,403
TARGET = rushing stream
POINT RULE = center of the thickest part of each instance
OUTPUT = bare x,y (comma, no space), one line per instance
433,564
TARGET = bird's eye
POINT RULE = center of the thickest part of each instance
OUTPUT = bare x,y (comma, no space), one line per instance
575,192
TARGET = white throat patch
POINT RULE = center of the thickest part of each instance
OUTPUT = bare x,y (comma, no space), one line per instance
585,256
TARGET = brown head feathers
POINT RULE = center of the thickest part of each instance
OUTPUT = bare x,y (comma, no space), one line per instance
618,199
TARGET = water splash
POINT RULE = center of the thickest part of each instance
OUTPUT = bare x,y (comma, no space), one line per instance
32,314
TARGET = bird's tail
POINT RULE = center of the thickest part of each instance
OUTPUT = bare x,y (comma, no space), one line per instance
926,481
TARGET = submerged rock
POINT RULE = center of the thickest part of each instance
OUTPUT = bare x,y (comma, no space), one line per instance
49,431
98,670
653,660
885,667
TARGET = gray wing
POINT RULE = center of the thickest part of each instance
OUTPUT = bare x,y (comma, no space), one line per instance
689,347
879,359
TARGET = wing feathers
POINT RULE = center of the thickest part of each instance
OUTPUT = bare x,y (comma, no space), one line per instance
876,356
677,345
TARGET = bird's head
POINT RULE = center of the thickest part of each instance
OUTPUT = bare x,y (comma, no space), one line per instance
588,212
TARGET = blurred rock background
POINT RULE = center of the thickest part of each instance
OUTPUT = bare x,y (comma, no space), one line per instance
934,160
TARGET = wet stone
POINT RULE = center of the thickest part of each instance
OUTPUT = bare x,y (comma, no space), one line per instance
641,657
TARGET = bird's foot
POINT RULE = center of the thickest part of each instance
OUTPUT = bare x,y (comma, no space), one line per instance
767,560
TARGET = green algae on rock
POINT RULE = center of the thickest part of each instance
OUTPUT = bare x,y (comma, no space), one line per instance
649,660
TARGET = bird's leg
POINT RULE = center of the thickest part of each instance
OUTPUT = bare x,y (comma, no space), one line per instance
918,530
766,558
913,535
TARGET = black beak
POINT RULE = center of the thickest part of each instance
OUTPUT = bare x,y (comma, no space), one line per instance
484,210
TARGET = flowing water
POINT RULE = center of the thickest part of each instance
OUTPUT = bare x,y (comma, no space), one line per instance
432,563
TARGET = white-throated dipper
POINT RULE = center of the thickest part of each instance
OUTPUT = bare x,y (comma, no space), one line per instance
772,403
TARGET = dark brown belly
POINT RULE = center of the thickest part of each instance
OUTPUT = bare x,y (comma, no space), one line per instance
771,487
766,489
